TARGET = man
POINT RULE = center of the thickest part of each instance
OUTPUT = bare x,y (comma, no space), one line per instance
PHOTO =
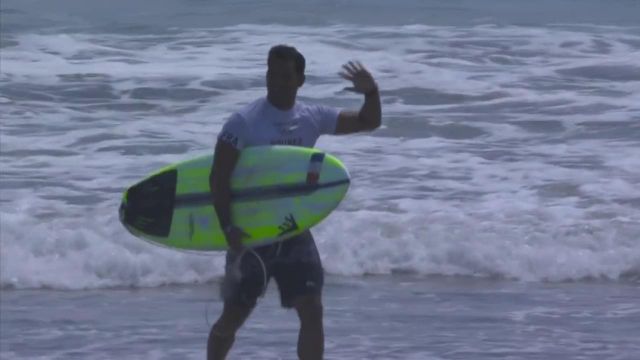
294,263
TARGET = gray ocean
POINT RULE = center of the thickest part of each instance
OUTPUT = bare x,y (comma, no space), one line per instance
494,215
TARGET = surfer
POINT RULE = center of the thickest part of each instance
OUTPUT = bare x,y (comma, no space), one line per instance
294,263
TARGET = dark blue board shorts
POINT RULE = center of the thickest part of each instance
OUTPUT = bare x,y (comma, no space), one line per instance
294,263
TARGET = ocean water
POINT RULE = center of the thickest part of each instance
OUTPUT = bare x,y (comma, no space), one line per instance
496,213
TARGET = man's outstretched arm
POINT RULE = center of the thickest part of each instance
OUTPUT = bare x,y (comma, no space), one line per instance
370,115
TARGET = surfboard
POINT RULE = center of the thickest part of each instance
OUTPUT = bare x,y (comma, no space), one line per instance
277,192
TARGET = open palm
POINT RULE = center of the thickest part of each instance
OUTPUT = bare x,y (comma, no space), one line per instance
362,80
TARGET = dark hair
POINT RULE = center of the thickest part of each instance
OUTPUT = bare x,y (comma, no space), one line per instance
284,52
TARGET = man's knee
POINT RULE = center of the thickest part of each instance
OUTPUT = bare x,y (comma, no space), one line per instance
309,308
221,330
231,319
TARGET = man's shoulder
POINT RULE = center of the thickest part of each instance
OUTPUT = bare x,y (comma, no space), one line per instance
251,110
243,117
306,106
313,109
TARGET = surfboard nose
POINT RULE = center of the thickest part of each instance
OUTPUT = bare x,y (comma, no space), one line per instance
148,205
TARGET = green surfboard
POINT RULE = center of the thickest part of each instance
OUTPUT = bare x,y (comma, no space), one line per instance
277,192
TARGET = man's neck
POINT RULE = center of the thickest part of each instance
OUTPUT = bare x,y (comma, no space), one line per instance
281,105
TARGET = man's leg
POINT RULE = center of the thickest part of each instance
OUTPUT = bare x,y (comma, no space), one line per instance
240,290
223,332
300,277
311,336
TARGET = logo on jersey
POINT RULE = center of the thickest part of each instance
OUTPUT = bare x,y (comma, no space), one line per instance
229,138
292,141
287,126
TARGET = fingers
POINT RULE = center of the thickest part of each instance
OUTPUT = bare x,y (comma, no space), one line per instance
361,67
355,72
346,76
352,69
240,234
243,234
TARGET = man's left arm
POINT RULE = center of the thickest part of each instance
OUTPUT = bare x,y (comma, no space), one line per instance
370,115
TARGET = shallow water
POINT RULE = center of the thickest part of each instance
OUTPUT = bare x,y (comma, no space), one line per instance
378,317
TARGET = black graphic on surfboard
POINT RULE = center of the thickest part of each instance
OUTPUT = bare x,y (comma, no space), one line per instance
289,225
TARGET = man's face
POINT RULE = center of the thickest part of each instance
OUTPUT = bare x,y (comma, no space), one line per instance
282,79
